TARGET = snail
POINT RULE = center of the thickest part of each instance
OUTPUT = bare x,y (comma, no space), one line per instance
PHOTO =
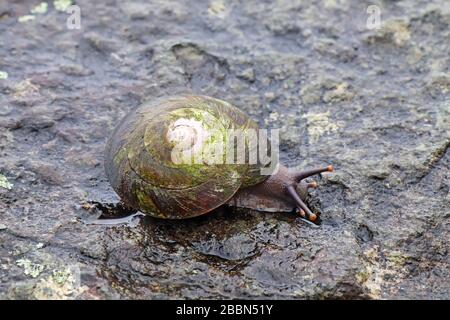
149,176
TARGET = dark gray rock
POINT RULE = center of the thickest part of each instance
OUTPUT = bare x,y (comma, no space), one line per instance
374,103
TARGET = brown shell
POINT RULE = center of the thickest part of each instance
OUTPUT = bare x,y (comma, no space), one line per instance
140,168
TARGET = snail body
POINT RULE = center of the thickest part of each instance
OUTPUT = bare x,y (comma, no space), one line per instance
148,175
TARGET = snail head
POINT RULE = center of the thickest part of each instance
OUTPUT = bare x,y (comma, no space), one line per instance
298,190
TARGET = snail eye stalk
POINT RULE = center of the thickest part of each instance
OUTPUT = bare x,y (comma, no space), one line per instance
307,173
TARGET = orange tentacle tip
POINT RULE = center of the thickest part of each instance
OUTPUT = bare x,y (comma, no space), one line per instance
330,168
313,184
312,217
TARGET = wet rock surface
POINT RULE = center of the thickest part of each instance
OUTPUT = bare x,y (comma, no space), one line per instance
374,103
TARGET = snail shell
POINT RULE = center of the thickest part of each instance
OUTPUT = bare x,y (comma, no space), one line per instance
150,176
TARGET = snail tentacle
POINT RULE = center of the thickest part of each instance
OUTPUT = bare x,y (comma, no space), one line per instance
302,206
307,173
312,185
